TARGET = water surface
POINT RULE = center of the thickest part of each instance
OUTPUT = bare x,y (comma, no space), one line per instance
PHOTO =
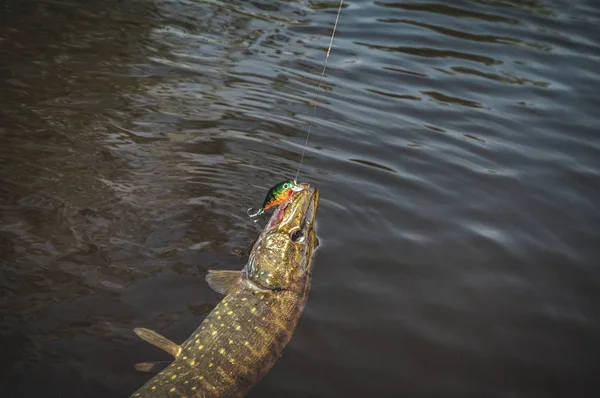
456,150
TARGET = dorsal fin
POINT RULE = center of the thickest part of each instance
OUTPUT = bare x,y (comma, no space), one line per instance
223,281
159,341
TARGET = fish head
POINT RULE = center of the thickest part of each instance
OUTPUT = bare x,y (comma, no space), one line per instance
287,243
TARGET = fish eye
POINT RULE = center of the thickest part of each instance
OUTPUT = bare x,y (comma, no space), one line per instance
297,236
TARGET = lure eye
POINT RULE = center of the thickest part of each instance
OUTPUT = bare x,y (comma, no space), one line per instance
286,186
297,236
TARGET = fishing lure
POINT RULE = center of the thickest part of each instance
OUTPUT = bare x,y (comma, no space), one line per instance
277,195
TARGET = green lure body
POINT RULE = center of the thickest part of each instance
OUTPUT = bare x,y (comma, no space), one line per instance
279,194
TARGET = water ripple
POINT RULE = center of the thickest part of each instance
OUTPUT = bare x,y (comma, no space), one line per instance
434,53
455,149
455,12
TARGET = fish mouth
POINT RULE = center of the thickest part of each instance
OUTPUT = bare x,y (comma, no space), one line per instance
298,213
286,243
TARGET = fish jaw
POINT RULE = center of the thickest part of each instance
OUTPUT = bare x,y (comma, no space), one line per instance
286,244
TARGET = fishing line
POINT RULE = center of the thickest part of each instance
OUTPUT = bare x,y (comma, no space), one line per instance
283,191
319,90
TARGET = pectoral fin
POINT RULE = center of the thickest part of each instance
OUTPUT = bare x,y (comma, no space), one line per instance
151,367
223,281
159,341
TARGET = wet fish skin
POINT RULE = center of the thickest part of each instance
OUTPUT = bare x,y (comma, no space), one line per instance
242,338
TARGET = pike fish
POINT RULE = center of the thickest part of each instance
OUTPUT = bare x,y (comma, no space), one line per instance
240,340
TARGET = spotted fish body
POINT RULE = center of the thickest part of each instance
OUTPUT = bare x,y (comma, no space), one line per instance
240,340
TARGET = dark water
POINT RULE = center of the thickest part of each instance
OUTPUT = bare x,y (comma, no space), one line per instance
456,149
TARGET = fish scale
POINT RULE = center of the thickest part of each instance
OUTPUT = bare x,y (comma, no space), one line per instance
236,344
243,336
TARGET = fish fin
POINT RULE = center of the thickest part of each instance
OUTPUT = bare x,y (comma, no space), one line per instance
223,281
159,341
151,367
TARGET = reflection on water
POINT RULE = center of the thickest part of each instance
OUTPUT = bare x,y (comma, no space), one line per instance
454,149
